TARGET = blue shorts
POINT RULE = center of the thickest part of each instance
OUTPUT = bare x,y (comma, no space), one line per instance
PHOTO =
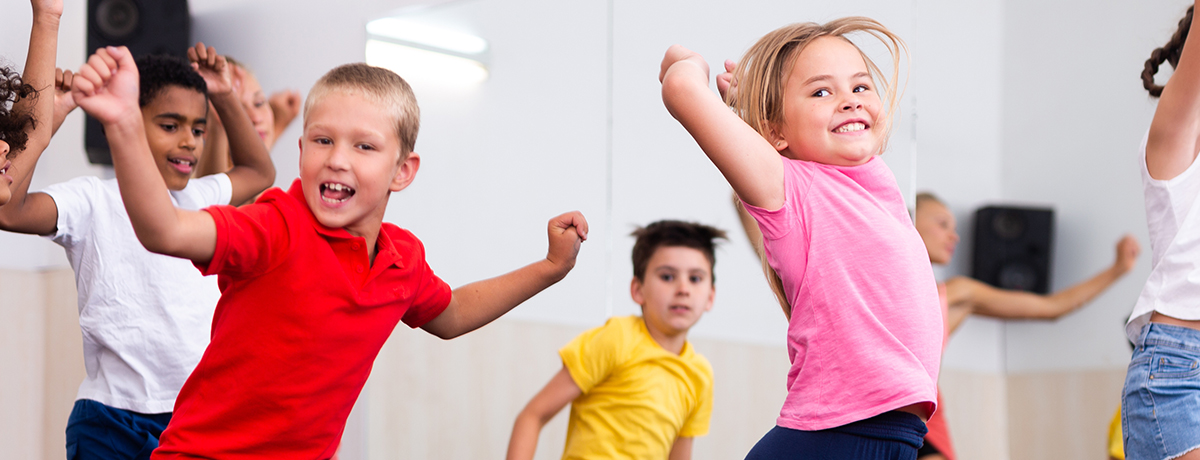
891,435
1160,408
96,431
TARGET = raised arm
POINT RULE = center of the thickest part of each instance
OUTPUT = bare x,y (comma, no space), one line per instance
24,213
64,103
478,303
285,107
252,170
1001,303
560,391
107,89
747,161
1175,131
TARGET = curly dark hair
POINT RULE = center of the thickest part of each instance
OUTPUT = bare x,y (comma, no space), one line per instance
157,72
15,124
674,233
1168,53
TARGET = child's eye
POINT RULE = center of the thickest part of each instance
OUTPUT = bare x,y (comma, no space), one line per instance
197,132
323,141
366,146
861,88
697,279
170,128
666,277
822,93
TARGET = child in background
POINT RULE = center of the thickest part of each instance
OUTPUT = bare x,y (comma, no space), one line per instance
270,117
636,387
1161,402
145,317
22,124
313,280
865,326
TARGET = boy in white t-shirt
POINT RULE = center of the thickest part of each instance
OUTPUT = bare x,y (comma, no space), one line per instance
145,317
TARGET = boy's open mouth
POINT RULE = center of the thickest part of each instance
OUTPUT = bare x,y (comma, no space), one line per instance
183,165
334,192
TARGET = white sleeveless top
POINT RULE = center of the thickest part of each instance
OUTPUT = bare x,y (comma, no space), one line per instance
1173,287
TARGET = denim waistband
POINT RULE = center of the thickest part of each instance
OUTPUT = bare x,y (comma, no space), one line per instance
1171,336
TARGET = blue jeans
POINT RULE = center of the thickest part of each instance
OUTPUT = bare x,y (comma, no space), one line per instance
96,431
1160,408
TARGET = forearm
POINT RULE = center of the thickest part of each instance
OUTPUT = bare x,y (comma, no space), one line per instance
216,151
523,443
479,303
1076,296
158,224
39,73
252,170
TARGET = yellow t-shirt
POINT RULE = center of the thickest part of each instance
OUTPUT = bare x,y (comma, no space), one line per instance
637,397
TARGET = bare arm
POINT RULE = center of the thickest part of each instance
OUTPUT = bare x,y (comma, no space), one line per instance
107,89
1175,131
682,449
64,103
478,303
252,170
215,159
747,161
957,314
36,213
560,391
1000,303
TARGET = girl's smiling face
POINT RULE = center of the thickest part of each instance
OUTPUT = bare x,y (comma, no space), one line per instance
831,109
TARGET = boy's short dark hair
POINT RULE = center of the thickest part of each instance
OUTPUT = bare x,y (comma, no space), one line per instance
14,125
158,71
674,233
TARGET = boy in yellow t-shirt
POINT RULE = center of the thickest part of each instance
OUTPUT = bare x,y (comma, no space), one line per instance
636,387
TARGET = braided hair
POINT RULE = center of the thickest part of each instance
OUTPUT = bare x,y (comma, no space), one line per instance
15,125
1168,53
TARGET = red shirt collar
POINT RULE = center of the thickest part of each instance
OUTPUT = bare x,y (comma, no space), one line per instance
386,254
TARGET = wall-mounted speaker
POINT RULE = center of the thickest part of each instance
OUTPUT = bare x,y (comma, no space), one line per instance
146,27
1013,247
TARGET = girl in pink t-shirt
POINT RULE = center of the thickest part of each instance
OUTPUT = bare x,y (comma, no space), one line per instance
799,148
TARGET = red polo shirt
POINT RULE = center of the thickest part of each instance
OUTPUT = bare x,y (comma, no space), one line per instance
301,318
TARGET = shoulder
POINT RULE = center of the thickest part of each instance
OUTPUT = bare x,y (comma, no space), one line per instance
91,184
403,239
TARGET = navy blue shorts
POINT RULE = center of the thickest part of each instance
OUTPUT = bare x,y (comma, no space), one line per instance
890,435
96,431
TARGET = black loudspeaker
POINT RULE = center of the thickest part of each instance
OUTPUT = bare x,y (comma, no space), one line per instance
146,27
1013,248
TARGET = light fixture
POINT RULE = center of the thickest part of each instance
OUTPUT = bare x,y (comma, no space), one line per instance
422,52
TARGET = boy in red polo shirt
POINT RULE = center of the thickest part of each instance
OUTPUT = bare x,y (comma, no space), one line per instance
312,280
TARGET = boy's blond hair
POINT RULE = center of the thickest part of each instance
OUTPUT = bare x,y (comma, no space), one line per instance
379,85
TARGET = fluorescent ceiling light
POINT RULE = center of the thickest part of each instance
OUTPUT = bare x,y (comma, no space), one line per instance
421,64
427,35
420,51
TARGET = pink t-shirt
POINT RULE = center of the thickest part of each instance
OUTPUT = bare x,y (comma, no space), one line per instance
866,330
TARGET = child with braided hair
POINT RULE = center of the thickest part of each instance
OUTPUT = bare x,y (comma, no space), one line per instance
1161,400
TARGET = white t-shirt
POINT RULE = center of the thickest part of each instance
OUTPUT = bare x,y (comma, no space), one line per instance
1173,287
145,317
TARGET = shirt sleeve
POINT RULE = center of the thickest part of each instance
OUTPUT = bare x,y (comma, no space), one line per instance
75,208
594,354
250,240
431,297
775,224
698,421
206,191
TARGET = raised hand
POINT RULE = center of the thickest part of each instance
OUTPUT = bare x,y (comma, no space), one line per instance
107,86
217,72
726,85
285,105
53,7
567,232
1127,253
676,54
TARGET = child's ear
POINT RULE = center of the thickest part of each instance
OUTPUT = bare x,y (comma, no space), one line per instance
712,295
635,291
777,141
406,172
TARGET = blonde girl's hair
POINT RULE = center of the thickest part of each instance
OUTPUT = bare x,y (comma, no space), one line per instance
763,71
762,75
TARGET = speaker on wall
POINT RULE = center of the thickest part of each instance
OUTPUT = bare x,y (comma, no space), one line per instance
1013,247
146,27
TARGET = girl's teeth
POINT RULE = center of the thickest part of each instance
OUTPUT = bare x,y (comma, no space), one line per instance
850,127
